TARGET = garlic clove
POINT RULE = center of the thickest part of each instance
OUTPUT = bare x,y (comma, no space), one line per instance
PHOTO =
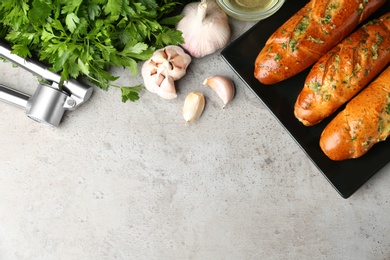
193,106
167,88
177,60
223,86
152,79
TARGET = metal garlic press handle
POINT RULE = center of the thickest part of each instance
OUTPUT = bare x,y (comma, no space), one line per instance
78,91
13,97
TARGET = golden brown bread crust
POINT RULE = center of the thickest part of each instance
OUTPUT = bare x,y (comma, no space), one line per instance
341,73
308,35
364,122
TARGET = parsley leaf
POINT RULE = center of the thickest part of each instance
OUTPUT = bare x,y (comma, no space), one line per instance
130,93
39,12
113,8
71,21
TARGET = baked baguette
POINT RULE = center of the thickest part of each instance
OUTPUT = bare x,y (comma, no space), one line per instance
308,35
364,122
342,72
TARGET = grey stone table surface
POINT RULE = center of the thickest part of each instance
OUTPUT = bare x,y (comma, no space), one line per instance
131,181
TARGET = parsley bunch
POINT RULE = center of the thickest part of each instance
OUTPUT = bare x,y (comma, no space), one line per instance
87,37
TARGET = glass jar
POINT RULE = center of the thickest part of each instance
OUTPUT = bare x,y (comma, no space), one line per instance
250,10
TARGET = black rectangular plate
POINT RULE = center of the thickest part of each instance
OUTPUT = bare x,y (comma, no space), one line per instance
345,176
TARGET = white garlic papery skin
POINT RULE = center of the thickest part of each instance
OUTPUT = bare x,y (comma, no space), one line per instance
164,67
223,86
193,106
205,28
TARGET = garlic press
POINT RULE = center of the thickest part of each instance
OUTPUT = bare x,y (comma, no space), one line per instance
51,99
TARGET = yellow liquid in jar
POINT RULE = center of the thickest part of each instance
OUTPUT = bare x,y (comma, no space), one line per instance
252,5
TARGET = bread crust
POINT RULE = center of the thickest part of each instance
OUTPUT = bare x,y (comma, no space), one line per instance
344,71
308,35
364,122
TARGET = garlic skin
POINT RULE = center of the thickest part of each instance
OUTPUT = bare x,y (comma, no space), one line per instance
205,28
164,67
193,107
223,86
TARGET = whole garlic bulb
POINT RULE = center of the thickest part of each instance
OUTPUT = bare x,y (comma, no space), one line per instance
164,67
205,28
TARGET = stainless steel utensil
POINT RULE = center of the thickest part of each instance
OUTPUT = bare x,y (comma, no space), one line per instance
49,102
